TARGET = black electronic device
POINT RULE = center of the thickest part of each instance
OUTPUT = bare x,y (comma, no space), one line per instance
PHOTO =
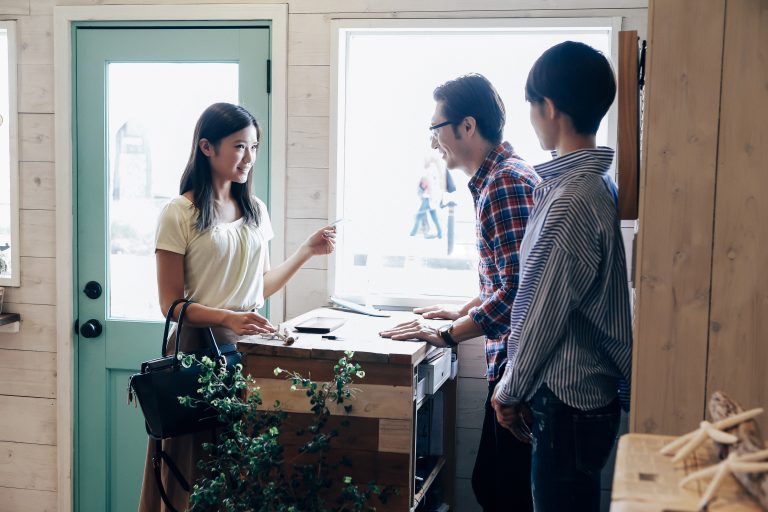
319,325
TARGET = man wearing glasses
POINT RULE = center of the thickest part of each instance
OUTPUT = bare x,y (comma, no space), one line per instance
467,129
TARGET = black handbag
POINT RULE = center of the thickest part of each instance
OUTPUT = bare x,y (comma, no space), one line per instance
159,386
162,381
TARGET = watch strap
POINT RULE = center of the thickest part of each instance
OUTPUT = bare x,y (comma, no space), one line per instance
445,333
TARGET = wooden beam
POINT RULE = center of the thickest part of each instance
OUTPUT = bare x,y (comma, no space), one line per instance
370,401
628,151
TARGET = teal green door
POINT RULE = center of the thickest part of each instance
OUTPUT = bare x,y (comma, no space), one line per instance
139,91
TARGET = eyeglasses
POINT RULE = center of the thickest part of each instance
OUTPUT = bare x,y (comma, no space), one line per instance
433,129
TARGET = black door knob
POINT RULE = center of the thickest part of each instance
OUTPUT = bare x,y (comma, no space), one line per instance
91,329
92,290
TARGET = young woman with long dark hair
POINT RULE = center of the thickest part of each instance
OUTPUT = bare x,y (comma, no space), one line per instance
211,248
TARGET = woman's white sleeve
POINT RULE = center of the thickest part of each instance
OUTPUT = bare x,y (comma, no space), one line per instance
173,229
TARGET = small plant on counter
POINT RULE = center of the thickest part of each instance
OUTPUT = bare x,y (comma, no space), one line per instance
248,468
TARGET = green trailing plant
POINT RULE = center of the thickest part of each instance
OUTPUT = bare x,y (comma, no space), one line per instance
248,469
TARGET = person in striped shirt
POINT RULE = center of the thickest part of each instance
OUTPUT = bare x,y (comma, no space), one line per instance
570,342
467,129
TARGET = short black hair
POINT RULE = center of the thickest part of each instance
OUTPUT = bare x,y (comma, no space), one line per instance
473,95
578,79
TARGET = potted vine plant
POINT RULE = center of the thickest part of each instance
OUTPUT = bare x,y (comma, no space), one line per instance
246,468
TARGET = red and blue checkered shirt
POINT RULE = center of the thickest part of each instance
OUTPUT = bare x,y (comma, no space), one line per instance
502,189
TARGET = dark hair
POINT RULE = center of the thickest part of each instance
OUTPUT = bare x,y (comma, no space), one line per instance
473,95
578,79
215,123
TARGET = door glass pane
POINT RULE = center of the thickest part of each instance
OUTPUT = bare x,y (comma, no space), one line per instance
152,109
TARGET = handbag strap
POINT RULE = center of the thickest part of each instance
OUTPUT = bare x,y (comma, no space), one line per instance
158,457
179,330
215,351
168,320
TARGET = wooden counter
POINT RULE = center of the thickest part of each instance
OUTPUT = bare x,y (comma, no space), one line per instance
646,481
381,438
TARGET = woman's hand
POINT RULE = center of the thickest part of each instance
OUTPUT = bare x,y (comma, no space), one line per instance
247,323
322,241
440,311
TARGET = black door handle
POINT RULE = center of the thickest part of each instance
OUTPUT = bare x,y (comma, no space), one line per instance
92,290
91,329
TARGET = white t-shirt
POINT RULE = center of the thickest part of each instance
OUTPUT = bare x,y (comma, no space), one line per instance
223,266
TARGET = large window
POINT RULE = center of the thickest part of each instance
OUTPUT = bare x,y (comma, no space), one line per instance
9,187
408,235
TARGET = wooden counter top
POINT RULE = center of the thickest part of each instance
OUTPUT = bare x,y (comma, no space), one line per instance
646,481
360,333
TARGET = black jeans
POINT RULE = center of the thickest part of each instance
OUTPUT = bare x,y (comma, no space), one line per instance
570,448
501,478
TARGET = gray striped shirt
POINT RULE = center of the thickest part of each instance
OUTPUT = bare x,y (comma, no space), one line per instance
571,326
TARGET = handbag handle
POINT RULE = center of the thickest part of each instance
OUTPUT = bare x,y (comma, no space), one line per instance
216,352
168,319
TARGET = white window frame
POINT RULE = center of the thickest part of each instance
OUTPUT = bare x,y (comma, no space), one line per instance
13,146
340,33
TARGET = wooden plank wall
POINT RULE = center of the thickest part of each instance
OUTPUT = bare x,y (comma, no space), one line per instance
681,114
738,348
307,188
28,359
702,303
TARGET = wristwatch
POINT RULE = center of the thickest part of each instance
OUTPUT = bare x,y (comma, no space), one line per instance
445,333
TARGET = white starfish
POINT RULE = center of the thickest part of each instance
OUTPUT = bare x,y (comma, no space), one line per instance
281,333
746,463
687,443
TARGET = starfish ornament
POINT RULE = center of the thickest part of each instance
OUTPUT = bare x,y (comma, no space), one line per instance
281,334
746,463
686,444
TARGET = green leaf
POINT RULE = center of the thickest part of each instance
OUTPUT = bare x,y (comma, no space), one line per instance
245,462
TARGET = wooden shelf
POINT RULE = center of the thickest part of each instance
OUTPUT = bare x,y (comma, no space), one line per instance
10,322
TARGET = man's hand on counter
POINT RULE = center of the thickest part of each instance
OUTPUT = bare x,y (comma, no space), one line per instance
440,312
414,330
